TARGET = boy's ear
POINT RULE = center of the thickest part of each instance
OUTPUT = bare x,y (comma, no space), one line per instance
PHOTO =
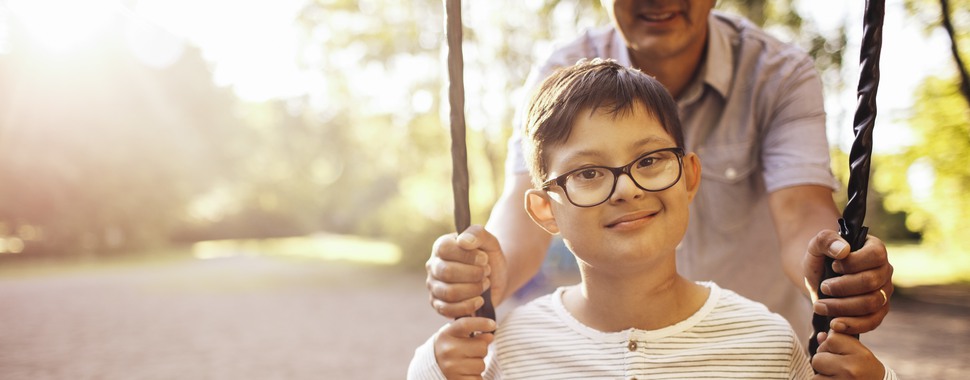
539,207
692,174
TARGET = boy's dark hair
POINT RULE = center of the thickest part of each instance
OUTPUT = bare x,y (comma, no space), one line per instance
590,85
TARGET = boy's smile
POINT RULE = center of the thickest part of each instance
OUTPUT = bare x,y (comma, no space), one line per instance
632,220
633,224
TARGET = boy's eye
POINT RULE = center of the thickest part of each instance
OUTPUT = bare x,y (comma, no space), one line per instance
587,174
646,161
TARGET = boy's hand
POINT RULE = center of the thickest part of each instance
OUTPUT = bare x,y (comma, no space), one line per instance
841,356
461,268
460,347
863,290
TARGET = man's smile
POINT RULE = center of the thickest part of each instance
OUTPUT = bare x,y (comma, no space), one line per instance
657,17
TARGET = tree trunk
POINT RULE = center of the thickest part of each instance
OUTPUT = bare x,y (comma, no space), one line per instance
964,77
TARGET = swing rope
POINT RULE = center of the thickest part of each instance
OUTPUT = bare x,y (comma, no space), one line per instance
850,226
459,154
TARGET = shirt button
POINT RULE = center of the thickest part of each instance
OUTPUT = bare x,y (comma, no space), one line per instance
730,173
632,346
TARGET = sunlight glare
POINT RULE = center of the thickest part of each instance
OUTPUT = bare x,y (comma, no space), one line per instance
63,26
152,45
214,205
920,177
11,244
253,46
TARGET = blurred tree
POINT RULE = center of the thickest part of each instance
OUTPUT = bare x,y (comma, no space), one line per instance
134,154
381,107
384,72
951,16
98,152
929,179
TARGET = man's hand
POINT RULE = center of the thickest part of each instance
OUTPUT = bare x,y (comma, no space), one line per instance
864,289
461,268
841,356
460,347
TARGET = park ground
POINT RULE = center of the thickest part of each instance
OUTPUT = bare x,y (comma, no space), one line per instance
265,317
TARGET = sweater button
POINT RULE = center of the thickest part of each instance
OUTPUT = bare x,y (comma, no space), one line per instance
632,346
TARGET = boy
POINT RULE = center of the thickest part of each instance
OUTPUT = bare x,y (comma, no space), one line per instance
606,157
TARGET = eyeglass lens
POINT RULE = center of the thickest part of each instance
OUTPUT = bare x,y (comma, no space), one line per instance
653,171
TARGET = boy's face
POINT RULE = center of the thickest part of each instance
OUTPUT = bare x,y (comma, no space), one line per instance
632,224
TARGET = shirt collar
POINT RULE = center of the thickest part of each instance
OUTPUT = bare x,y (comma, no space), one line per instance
719,61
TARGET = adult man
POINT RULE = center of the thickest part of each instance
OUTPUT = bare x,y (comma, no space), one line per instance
752,110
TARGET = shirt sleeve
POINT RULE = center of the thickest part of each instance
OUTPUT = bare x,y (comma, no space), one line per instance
423,365
796,150
890,374
515,161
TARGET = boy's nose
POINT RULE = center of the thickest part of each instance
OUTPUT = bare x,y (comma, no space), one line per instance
626,189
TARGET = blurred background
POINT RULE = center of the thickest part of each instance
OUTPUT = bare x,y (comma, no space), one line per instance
249,189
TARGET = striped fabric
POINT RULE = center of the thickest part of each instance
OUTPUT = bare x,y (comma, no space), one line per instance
730,337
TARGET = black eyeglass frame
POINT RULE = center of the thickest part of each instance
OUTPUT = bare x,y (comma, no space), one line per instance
617,171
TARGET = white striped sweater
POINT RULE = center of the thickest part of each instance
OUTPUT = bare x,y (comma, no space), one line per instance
730,337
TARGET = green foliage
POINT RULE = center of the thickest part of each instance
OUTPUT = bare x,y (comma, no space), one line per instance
930,180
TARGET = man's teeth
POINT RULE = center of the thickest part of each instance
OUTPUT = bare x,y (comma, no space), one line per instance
658,17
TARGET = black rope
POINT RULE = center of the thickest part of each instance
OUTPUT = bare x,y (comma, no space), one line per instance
854,214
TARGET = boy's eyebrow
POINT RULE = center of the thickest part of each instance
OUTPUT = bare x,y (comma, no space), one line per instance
651,140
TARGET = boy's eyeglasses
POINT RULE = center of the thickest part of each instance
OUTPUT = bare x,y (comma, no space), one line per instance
592,185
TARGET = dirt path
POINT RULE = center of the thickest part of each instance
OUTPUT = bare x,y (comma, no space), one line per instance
265,318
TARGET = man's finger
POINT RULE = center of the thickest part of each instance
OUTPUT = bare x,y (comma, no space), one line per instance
828,243
853,306
820,247
455,272
856,284
456,292
872,255
447,248
476,237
